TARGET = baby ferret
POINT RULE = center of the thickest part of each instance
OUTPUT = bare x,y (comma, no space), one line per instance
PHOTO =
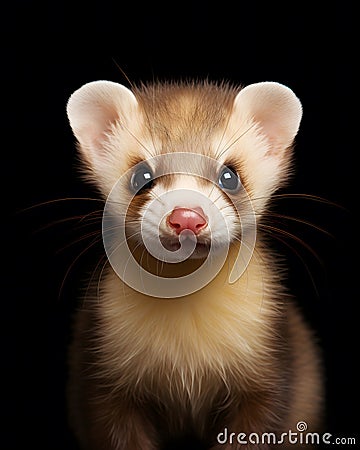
188,168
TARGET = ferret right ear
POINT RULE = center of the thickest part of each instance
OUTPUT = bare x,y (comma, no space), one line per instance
94,109
275,108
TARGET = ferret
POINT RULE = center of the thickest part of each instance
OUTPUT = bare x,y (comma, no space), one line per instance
184,346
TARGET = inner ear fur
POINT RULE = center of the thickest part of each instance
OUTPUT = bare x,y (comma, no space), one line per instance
274,108
94,108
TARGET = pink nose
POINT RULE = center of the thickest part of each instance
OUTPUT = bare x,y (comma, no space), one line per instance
187,219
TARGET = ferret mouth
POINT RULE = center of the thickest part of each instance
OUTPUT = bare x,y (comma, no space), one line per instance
172,243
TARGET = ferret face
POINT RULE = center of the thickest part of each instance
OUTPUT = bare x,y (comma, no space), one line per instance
184,196
185,164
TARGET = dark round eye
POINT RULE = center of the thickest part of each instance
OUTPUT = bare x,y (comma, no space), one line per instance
141,179
229,180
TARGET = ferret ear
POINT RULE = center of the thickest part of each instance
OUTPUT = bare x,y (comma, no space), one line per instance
94,108
275,108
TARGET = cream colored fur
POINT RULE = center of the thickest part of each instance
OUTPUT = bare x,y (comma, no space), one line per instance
223,345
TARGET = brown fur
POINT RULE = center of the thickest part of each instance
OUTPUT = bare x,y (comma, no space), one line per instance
143,369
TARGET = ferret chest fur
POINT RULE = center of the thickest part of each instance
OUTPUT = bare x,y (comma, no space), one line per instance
223,330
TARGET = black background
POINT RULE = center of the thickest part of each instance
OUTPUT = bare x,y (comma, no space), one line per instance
50,50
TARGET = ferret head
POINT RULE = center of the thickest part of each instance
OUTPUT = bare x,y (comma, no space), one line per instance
185,162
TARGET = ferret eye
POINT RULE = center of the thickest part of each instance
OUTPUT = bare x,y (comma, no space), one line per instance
141,179
229,180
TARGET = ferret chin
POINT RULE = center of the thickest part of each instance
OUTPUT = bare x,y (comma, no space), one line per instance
188,171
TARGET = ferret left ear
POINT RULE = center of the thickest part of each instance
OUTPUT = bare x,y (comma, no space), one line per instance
275,108
92,111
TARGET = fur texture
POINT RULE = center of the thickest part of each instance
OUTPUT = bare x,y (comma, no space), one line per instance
146,370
